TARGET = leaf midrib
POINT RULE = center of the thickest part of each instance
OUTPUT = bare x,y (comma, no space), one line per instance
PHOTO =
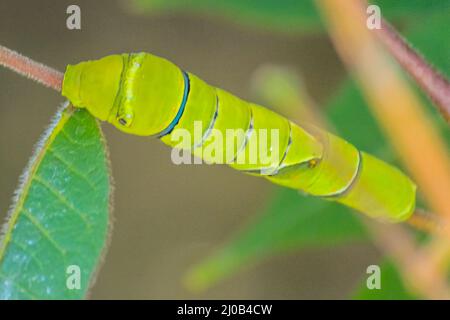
29,175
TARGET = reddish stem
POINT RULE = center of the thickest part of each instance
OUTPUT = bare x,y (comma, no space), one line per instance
435,85
31,69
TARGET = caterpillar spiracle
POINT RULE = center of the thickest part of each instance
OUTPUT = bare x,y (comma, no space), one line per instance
146,95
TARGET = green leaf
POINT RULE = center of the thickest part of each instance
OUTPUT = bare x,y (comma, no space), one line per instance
285,15
292,221
392,286
431,40
291,15
60,214
351,118
410,11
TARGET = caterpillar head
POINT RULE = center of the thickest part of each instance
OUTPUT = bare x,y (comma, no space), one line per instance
94,85
137,93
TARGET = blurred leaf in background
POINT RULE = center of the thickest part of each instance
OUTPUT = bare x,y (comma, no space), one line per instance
286,15
430,37
59,223
410,11
283,15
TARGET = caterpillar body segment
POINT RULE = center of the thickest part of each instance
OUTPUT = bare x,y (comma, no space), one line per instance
379,183
146,95
235,129
329,175
201,105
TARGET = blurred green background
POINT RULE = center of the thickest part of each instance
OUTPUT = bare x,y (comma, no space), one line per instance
155,239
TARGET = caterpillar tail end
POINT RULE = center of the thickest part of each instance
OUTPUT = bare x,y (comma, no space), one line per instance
381,191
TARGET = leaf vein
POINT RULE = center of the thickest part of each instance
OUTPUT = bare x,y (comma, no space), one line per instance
75,141
43,231
62,199
31,254
71,167
18,286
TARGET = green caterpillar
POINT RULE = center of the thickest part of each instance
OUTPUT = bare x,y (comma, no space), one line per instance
146,95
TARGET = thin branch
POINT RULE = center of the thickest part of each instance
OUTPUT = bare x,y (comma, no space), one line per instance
434,84
426,222
31,69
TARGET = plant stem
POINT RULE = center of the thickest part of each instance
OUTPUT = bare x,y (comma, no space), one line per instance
426,222
31,69
434,84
